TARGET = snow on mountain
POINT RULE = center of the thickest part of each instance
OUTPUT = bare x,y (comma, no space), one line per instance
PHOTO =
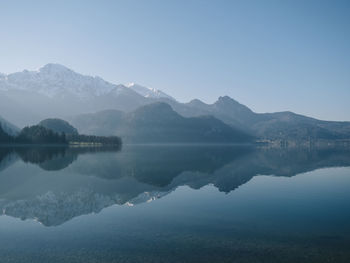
54,80
54,90
148,92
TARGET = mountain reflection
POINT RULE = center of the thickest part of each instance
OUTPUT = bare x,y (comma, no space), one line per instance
56,184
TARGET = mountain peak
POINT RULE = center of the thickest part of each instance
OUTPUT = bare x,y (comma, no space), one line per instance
57,81
226,99
196,103
227,104
148,92
54,68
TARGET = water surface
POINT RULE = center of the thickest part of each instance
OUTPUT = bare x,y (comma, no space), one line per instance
174,204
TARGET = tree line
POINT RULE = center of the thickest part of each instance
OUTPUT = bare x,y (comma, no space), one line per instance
38,134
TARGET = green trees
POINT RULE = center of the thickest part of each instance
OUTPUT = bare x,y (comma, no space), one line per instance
33,135
40,135
72,135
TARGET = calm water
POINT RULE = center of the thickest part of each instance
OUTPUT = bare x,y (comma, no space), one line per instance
174,204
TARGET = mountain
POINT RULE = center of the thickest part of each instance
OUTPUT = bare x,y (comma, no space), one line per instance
148,92
269,126
291,126
59,126
8,127
55,91
159,123
55,80
272,126
225,109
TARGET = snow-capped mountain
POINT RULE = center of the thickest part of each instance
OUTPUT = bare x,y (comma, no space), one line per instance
56,80
56,91
148,92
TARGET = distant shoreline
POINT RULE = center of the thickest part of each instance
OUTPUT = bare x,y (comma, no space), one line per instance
258,143
66,145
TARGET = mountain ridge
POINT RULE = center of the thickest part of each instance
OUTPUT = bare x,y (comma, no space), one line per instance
148,92
29,96
159,123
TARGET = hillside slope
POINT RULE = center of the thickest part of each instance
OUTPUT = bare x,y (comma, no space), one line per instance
159,123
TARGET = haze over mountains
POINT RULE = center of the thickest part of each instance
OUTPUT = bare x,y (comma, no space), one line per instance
158,122
55,91
8,127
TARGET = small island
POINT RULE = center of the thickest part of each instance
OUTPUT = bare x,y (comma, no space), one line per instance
56,132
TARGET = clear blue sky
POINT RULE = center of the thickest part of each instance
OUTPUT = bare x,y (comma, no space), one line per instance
270,55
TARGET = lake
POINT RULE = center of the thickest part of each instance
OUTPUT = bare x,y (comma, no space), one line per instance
174,203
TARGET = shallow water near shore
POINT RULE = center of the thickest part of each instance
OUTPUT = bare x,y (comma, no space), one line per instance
174,204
